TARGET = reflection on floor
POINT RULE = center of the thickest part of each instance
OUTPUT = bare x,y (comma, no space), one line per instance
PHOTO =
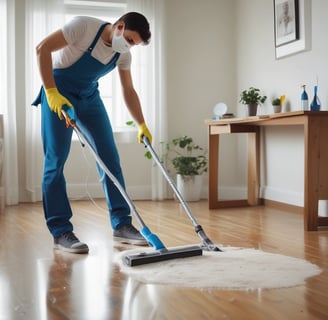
39,283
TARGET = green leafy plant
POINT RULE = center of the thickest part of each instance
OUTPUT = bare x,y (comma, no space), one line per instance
187,157
131,123
276,102
252,96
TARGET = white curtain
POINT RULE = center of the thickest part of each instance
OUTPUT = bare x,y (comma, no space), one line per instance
42,18
7,98
152,89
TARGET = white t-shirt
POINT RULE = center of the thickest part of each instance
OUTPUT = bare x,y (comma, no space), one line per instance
79,34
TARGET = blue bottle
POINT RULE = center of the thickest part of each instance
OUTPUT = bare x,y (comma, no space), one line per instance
315,104
304,100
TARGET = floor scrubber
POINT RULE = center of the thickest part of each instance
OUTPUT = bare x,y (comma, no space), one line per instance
161,253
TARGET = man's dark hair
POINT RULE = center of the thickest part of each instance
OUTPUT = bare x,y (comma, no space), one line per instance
135,21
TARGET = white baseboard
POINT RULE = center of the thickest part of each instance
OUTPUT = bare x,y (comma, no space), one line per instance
269,193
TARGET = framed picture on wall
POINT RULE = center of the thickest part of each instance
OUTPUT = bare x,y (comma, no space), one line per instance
286,21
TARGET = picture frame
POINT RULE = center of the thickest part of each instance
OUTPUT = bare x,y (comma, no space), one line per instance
300,40
286,21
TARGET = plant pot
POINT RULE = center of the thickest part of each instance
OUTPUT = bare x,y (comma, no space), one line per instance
276,109
190,187
252,109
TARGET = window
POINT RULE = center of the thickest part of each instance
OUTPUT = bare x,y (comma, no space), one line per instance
109,86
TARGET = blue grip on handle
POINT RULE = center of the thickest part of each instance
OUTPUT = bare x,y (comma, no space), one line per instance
152,238
70,112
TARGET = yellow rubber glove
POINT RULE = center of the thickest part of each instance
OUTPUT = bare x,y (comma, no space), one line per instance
56,101
144,131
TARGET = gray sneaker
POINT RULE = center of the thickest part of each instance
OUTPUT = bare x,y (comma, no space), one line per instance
129,234
70,243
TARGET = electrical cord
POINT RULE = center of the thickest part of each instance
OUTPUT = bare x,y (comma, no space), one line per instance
87,191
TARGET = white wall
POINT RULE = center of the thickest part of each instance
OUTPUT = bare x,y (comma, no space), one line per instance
201,55
282,175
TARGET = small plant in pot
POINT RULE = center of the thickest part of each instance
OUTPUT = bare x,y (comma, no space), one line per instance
189,159
277,104
252,98
190,162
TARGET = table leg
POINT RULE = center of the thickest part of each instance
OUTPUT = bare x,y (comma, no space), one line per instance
253,146
213,171
311,174
316,170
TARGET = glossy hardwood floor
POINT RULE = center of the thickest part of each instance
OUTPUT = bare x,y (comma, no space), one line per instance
39,283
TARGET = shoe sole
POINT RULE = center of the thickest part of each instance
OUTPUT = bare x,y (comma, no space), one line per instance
70,250
131,241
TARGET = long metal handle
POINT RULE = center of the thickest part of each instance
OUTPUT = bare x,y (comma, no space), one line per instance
207,243
169,180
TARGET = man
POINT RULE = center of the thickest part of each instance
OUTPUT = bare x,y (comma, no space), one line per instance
71,60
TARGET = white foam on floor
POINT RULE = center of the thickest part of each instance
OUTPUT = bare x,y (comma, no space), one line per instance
233,269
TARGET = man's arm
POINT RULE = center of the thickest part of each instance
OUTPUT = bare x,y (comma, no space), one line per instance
133,103
52,43
131,97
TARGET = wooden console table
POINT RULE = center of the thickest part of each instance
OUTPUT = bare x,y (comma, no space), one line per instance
315,125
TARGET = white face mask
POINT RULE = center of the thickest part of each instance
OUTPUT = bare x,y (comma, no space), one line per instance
119,43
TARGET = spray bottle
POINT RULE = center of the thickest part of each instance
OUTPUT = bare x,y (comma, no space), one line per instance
304,99
315,104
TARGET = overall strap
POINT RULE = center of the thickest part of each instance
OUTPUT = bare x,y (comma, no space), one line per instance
97,37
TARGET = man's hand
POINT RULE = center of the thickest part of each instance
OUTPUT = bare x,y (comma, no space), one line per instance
143,131
56,101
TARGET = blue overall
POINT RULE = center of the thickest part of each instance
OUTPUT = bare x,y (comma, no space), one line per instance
79,84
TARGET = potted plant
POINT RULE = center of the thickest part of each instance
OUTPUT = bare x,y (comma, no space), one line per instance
252,98
190,162
276,105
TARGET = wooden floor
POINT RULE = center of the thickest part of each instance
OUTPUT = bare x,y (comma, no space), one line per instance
39,283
